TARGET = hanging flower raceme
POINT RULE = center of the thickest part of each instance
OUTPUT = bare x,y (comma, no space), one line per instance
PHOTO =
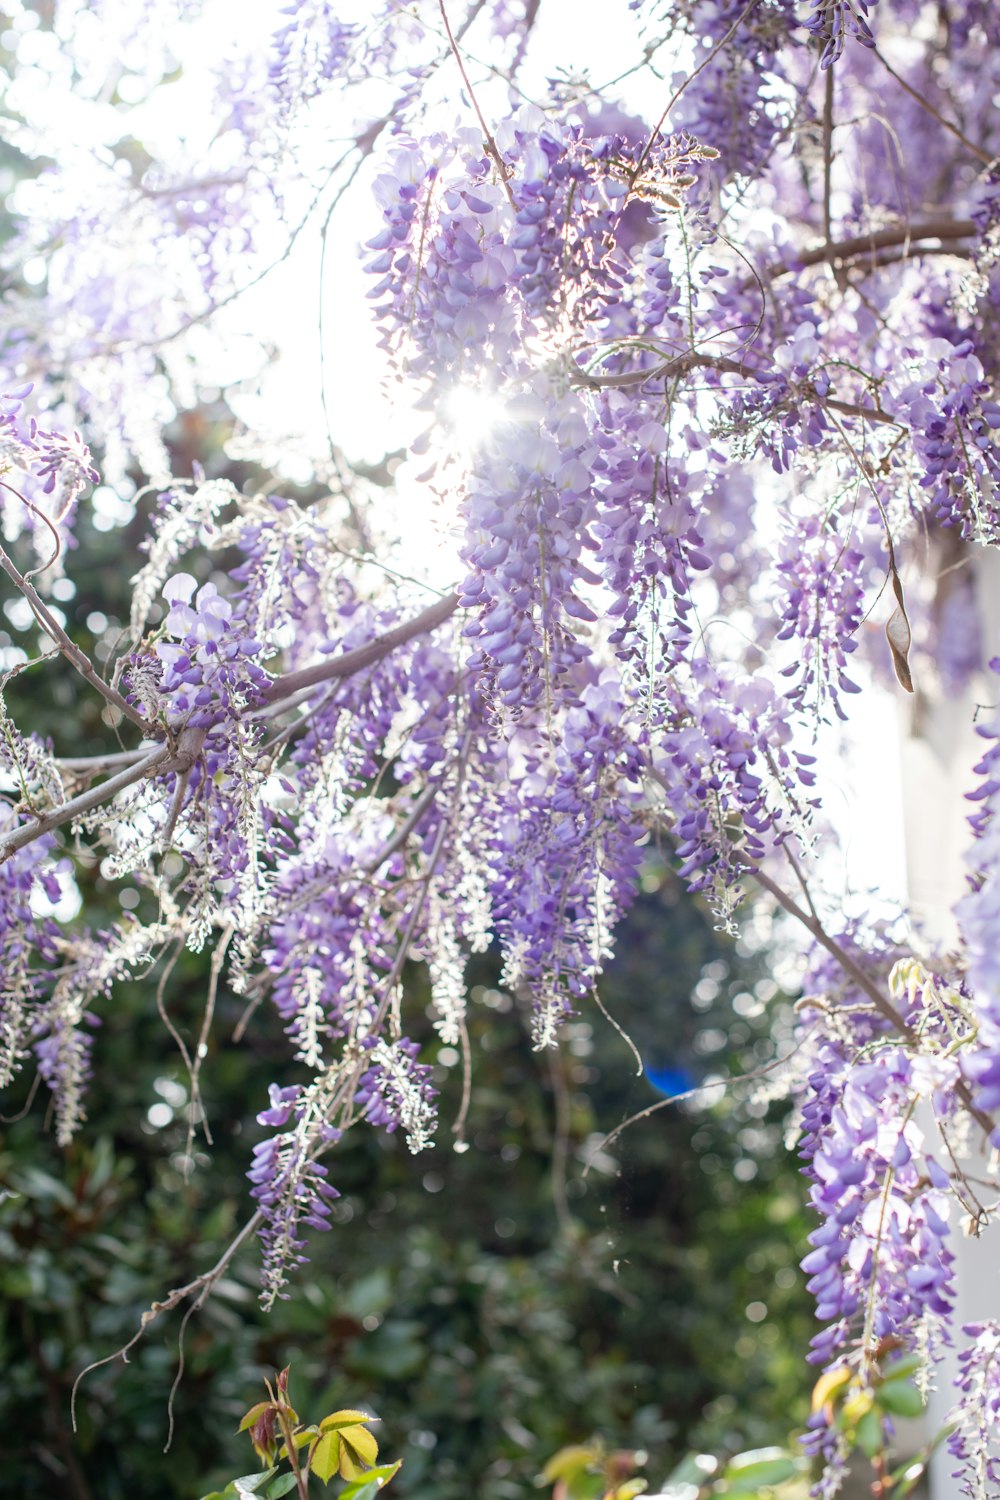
881,1267
950,408
822,574
975,1419
833,21
734,785
27,945
57,467
563,853
289,1185
209,667
979,913
396,1092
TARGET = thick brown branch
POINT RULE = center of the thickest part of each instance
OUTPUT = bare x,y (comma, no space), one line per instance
85,802
362,657
156,762
81,767
877,239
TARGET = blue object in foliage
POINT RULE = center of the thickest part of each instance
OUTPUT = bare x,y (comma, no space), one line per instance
669,1080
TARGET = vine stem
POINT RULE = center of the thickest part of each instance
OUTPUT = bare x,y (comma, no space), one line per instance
863,981
73,653
681,363
360,657
926,104
198,1288
723,42
491,146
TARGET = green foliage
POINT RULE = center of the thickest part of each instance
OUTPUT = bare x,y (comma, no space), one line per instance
338,1444
487,1307
592,1472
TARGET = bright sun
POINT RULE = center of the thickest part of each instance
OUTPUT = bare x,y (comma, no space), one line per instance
472,416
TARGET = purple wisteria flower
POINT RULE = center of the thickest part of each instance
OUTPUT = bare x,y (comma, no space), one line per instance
396,1092
832,21
209,668
975,1418
979,915
27,944
289,1185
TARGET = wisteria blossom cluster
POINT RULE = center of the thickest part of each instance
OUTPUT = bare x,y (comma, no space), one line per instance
700,393
973,1440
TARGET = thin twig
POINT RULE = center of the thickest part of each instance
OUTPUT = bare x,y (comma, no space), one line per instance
458,1129
560,1143
161,1007
179,1375
33,1090
863,982
78,658
402,833
681,363
46,521
196,1104
687,83
699,1088
926,104
847,963
491,146
827,157
201,1285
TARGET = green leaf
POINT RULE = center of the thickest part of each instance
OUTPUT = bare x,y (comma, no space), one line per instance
338,1419
911,1477
283,1485
300,1438
868,1434
695,1468
361,1489
748,1471
901,1369
370,1484
249,1484
324,1456
772,1471
900,1397
358,1452
586,1486
630,1489
372,1294
567,1462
